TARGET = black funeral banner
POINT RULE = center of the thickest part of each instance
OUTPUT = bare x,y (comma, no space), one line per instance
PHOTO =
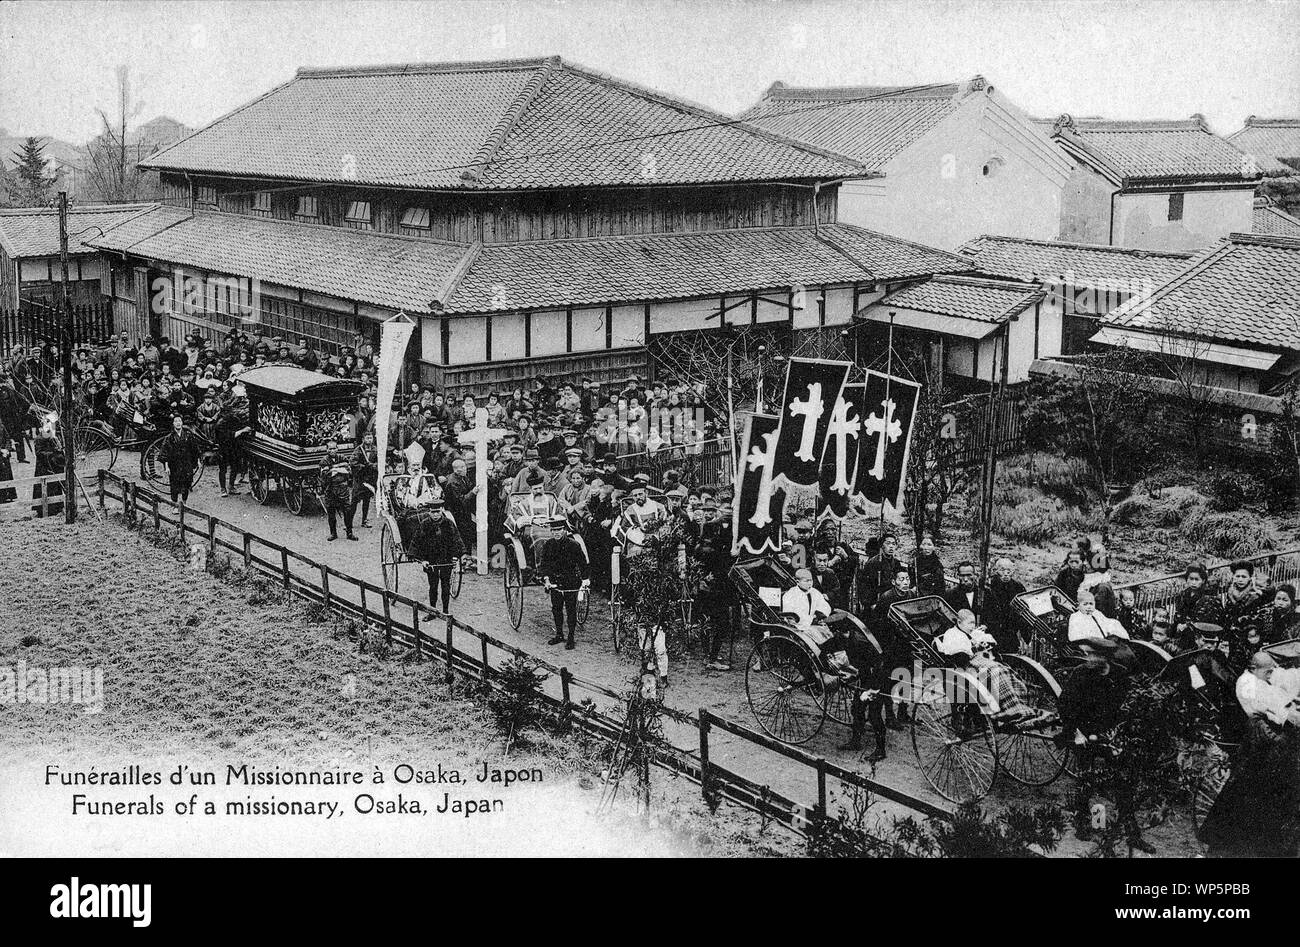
812,387
839,472
885,438
760,504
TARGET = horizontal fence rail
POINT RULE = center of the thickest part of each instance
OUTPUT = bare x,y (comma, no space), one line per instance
468,653
707,463
1271,569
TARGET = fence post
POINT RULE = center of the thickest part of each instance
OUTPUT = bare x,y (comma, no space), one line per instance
565,677
704,752
821,789
212,534
248,550
388,620
157,519
451,652
45,497
180,518
284,565
483,642
415,626
325,584
101,487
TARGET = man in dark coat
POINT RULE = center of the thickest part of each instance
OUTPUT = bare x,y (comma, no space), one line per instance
180,454
877,573
1002,588
14,415
232,426
564,571
966,594
336,489
459,491
364,465
436,542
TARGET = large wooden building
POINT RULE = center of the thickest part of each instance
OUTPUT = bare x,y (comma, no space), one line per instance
533,215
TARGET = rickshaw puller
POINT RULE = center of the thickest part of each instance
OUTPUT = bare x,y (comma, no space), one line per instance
564,571
336,489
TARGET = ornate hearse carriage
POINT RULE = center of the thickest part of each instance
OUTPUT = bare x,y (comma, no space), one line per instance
292,413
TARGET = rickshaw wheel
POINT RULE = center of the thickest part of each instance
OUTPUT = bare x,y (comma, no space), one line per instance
785,690
152,469
295,499
839,702
258,485
954,747
514,586
1031,757
457,575
390,554
93,449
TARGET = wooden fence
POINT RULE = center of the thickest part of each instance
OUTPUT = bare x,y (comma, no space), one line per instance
33,323
705,464
476,656
971,415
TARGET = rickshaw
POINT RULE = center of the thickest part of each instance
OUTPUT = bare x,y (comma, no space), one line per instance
293,412
970,723
394,543
791,686
1206,675
521,550
1045,612
629,541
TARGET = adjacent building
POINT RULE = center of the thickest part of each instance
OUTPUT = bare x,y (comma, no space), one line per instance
1159,185
1271,219
1229,319
949,161
534,216
30,270
1081,283
1273,143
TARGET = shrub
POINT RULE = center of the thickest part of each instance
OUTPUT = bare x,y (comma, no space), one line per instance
1040,519
1166,511
518,705
1227,535
1232,491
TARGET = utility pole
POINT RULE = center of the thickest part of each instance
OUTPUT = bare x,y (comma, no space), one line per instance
69,473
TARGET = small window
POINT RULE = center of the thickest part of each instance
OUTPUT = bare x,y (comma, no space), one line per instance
206,196
358,213
416,218
307,208
1176,206
262,203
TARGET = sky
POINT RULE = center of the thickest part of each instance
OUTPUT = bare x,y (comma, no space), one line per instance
195,61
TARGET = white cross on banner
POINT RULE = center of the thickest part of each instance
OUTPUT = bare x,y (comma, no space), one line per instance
889,405
839,470
756,515
812,389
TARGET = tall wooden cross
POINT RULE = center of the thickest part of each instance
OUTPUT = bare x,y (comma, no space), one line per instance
479,435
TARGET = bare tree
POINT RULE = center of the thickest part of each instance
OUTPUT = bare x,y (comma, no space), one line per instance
111,159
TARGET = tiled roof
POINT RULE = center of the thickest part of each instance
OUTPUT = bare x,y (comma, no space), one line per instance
34,231
394,272
966,297
1274,220
1272,138
1246,289
1076,264
556,273
1142,152
868,123
470,126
